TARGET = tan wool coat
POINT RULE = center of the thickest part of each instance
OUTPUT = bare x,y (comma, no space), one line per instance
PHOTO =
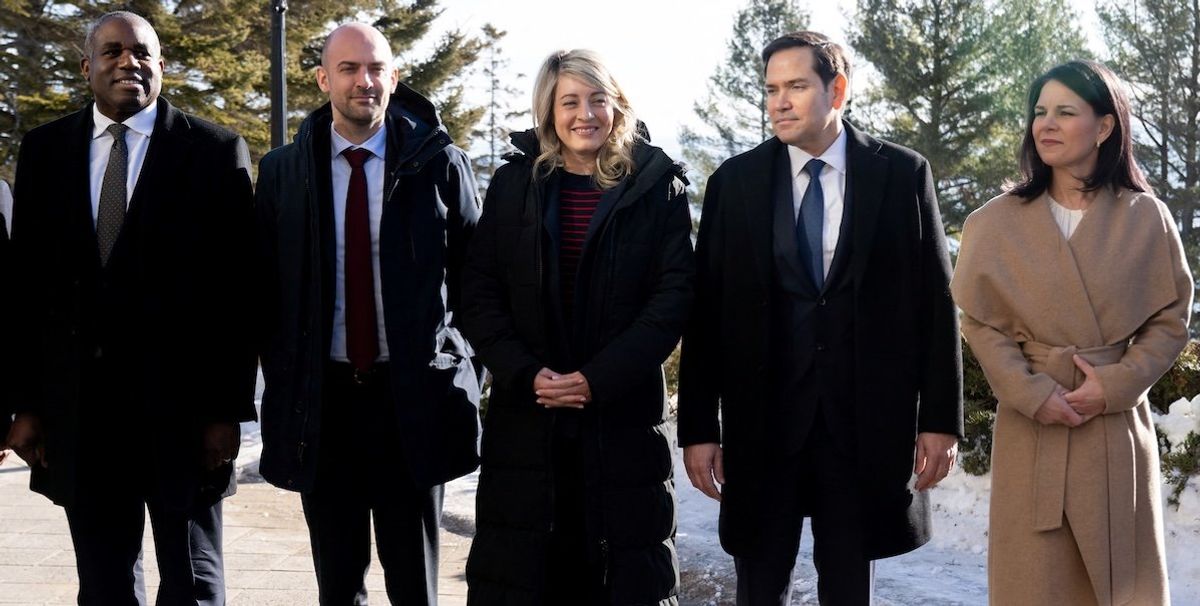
1076,514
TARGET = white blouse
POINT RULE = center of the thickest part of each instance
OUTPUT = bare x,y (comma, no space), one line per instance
1066,218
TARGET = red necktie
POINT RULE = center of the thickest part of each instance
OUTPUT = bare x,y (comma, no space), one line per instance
362,337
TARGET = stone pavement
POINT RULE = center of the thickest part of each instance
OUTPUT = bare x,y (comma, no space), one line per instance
267,557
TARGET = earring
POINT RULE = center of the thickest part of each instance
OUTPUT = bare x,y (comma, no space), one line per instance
1098,144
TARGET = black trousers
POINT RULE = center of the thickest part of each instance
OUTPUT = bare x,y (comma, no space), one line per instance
818,483
114,492
108,552
362,478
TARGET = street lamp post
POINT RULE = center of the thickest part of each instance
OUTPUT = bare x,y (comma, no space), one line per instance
278,74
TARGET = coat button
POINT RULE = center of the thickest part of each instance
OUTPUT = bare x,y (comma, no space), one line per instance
98,353
820,347
821,302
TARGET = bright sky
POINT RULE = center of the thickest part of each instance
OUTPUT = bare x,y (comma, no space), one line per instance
661,51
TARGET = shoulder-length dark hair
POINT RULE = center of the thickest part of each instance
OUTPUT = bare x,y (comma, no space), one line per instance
1115,165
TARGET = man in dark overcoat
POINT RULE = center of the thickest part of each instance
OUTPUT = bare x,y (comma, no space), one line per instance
822,366
131,247
371,399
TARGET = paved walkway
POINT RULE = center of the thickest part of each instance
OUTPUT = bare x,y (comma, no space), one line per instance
267,557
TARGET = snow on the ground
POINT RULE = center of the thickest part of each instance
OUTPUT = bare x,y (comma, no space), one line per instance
1182,524
950,570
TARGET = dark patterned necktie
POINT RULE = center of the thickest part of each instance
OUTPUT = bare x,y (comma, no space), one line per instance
811,226
113,197
362,337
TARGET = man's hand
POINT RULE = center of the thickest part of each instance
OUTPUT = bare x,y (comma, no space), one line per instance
1056,411
26,438
1088,400
221,444
705,463
936,453
556,390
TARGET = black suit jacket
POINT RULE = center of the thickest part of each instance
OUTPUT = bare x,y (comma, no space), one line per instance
136,357
907,358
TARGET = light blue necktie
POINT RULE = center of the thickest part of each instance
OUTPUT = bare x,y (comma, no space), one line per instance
812,221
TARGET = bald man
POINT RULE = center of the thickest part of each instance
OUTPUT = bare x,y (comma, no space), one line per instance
371,400
132,242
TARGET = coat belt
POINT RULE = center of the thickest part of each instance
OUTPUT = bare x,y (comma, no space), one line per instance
1050,463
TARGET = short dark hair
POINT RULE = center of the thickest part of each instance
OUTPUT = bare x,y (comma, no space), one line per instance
1115,164
829,56
89,40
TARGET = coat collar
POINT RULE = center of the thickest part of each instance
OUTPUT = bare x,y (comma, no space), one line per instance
866,176
866,171
415,133
170,133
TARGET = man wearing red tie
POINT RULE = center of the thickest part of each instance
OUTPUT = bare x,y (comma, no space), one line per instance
371,400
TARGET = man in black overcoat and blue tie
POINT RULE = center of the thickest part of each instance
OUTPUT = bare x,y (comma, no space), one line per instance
822,366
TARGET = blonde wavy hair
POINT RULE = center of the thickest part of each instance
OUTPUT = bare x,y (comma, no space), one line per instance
615,160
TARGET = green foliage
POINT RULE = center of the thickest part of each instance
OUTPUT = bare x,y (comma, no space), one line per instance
734,109
1182,381
671,368
979,414
953,76
40,46
1155,46
1180,464
499,112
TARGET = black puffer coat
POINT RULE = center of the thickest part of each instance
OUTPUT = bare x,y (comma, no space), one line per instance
633,294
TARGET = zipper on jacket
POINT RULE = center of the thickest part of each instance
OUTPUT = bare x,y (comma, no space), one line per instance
604,561
314,232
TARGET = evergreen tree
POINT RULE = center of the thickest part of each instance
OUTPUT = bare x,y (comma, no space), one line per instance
734,110
1155,45
493,133
39,70
953,80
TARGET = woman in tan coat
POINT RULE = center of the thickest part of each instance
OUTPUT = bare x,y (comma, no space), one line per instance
1075,294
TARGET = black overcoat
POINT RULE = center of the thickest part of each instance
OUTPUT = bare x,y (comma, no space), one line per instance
907,353
138,356
430,209
634,290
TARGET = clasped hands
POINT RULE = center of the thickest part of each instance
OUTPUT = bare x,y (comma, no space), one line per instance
555,390
1074,408
220,442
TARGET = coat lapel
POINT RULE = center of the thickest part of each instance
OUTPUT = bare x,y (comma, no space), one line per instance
757,200
79,181
166,146
791,257
866,176
1069,287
